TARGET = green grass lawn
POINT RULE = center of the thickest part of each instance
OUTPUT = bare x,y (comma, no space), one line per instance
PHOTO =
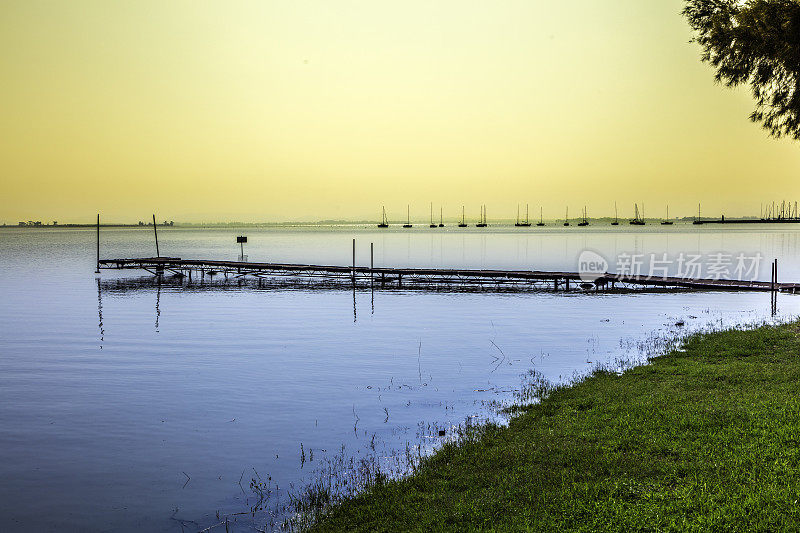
706,439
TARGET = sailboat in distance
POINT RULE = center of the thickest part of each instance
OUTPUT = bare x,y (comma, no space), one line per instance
408,223
384,222
526,223
566,217
463,223
585,221
637,219
616,216
482,222
432,224
698,220
666,221
541,217
441,217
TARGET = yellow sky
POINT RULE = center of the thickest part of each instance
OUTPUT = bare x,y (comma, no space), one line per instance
269,111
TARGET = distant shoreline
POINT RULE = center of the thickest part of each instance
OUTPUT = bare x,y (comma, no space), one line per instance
602,221
193,225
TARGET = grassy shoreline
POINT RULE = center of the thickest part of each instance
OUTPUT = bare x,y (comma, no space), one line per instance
705,438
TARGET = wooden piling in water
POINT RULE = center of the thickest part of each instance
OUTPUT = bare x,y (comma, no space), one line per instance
773,295
155,232
97,270
772,277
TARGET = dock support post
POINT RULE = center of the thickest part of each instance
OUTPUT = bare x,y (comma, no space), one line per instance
97,270
399,280
566,284
555,284
772,277
155,232
773,285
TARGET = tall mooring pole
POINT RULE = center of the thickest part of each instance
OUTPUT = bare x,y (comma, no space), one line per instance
371,260
155,231
97,270
774,288
773,276
354,262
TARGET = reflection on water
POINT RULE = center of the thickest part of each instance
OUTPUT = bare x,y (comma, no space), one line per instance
195,388
100,311
119,286
158,301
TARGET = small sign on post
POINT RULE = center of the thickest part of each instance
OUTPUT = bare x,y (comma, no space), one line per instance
240,240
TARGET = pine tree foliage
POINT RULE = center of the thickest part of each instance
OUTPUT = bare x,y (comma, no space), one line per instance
754,42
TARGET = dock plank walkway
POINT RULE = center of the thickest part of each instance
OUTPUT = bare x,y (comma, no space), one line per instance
432,276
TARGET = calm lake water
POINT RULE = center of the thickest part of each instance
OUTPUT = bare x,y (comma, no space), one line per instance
140,408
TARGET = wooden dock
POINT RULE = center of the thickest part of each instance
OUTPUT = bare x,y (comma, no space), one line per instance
362,276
